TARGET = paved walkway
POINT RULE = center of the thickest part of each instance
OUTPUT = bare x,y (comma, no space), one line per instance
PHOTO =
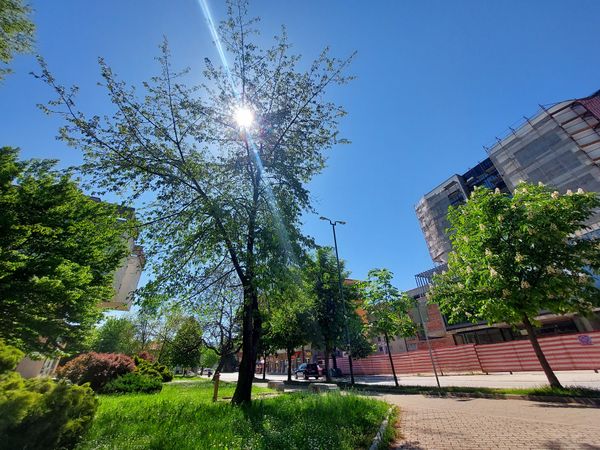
444,423
583,378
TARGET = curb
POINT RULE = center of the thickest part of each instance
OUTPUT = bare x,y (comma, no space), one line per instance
589,401
379,436
535,398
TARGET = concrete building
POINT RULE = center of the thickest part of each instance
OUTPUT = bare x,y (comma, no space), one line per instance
432,209
560,147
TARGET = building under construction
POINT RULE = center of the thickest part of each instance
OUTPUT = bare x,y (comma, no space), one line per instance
560,147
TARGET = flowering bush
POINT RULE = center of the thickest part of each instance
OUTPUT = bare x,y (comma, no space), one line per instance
96,368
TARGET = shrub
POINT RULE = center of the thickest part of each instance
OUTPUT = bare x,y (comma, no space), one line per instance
96,368
40,413
153,368
134,382
146,356
9,357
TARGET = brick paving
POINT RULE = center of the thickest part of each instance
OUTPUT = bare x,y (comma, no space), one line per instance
435,423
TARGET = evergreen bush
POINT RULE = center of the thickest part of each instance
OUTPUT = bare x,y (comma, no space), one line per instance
40,413
134,382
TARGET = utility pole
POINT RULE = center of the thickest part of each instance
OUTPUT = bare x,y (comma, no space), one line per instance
333,223
428,343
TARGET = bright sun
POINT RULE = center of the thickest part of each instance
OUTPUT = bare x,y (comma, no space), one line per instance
244,117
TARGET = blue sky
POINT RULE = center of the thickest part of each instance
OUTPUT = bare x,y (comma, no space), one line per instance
436,80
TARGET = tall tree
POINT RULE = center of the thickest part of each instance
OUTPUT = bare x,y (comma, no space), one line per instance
186,349
291,316
59,250
16,32
227,161
514,256
387,309
334,326
115,335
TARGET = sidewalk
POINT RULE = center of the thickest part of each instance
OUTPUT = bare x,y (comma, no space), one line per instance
446,423
583,378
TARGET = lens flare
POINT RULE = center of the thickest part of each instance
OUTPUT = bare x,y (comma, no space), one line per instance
244,117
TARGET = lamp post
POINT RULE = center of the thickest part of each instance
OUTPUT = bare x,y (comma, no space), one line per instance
333,223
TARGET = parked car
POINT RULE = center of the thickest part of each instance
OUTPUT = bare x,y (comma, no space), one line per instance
308,370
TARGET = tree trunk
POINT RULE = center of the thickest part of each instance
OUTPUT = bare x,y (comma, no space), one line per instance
264,377
219,366
334,359
289,368
387,344
552,379
327,374
251,324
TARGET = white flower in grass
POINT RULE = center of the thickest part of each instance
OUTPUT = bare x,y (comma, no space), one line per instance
497,191
580,191
466,238
493,272
525,285
482,227
488,252
555,195
500,217
469,270
461,286
540,184
569,192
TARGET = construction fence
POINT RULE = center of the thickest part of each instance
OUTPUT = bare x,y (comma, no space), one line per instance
567,352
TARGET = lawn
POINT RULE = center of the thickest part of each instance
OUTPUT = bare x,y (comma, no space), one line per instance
183,416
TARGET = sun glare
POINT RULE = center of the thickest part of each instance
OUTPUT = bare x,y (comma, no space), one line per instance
244,117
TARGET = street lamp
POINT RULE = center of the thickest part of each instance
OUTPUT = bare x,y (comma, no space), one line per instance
333,223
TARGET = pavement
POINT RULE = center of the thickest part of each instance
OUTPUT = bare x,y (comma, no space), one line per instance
582,378
452,423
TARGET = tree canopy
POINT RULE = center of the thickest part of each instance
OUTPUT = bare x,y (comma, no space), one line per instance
115,335
516,255
387,309
186,349
225,195
16,32
59,250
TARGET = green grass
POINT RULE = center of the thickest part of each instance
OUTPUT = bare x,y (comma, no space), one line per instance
183,416
568,391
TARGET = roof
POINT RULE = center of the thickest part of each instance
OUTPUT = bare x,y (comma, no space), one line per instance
592,104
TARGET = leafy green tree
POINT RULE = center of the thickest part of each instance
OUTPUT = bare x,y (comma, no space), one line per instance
16,32
226,191
115,335
291,317
387,309
514,256
322,280
59,250
185,350
209,358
